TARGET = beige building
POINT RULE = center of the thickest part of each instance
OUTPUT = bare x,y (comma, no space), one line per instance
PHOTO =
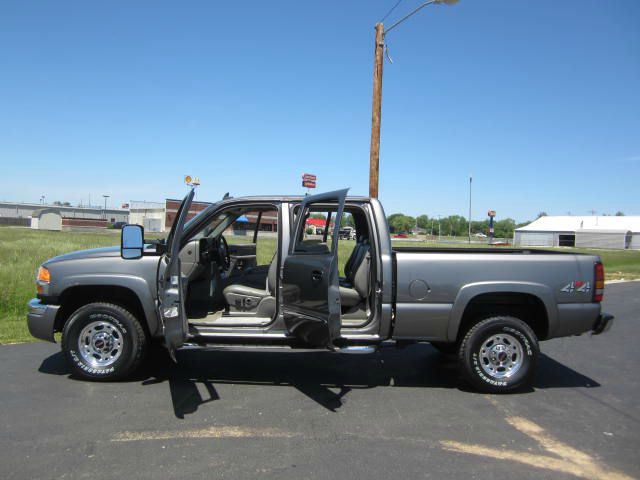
46,219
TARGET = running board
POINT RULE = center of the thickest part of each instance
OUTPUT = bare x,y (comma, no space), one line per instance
357,349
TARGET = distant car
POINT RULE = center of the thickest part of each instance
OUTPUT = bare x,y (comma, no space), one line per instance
347,233
480,235
401,235
119,225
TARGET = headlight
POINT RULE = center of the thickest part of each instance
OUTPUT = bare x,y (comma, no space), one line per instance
43,279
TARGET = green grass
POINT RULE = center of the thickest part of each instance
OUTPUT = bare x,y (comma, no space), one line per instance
23,250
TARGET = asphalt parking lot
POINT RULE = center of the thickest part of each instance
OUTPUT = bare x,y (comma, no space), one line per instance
392,414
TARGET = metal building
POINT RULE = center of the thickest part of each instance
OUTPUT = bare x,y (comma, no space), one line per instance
581,231
46,219
17,210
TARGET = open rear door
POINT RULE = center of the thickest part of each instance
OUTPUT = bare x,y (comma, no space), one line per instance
170,284
310,282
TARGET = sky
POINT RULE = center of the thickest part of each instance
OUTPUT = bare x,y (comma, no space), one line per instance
538,101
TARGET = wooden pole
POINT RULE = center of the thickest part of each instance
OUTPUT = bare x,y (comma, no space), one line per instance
374,155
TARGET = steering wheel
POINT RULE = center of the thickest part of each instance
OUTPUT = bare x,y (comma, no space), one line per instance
223,254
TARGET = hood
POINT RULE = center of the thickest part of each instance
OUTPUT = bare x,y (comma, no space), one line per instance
82,254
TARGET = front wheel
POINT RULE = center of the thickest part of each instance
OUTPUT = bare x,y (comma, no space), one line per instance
102,341
499,354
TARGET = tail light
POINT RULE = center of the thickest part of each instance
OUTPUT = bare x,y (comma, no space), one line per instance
598,291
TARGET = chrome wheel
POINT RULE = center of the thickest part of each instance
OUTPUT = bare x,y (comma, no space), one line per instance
501,356
100,344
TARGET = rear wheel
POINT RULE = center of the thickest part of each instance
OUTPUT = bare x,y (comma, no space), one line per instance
102,341
499,354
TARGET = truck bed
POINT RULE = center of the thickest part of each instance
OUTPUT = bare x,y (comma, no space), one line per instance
433,287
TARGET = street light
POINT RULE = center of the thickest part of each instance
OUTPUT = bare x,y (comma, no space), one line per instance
104,212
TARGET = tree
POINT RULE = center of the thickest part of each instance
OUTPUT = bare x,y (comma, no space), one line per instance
504,228
347,220
457,225
542,214
423,221
619,214
401,223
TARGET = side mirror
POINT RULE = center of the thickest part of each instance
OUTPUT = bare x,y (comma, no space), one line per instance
132,242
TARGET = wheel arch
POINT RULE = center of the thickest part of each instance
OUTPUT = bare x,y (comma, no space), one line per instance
124,294
532,303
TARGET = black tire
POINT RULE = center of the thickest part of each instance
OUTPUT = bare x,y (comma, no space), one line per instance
505,364
114,342
445,348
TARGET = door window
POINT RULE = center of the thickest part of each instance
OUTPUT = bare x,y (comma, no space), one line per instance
256,226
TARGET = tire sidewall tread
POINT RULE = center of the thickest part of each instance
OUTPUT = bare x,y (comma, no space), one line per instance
468,354
134,341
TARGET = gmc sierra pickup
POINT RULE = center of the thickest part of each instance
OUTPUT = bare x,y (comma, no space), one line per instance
209,284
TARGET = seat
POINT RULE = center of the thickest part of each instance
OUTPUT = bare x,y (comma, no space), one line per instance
251,277
355,288
348,266
249,298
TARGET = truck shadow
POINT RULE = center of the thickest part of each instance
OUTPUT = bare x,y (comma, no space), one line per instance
326,378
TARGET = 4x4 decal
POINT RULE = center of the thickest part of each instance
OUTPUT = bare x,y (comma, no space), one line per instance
577,286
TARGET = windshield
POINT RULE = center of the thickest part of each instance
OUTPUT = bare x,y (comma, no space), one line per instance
216,225
199,215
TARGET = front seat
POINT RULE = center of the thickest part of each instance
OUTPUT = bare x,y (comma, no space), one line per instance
356,286
247,298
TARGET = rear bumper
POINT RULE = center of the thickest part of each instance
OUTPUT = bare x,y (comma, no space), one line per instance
602,324
41,319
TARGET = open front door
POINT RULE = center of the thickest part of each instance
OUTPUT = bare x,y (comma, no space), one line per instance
310,282
170,284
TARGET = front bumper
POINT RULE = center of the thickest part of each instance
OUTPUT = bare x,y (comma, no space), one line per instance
602,324
41,319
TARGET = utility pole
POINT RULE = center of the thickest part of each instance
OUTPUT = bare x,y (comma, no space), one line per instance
374,155
470,181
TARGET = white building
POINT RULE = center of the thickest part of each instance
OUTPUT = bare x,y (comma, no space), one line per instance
26,210
589,231
46,219
151,215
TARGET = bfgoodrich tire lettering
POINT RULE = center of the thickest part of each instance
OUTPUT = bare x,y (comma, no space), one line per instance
499,354
102,341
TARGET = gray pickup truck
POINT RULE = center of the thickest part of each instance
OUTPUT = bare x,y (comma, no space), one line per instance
246,272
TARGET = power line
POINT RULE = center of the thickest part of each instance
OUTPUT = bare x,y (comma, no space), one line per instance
391,11
416,10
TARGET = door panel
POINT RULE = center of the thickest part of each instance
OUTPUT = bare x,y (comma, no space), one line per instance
310,287
171,287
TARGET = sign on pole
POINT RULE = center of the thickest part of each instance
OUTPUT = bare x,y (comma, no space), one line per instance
308,180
